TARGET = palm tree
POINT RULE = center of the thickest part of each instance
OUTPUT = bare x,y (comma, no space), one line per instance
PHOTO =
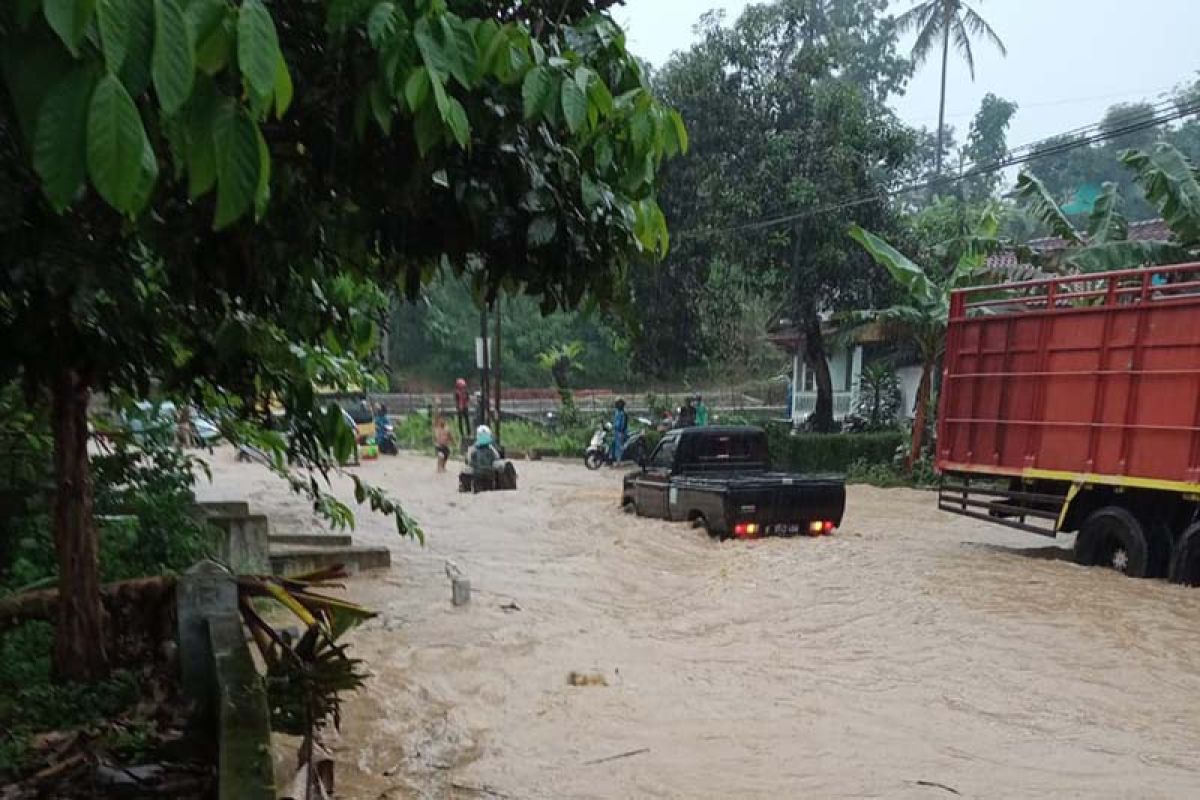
942,20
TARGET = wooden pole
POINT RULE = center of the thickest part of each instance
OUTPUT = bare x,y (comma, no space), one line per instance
499,361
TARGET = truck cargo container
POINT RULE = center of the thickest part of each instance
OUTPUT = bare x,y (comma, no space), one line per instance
1073,404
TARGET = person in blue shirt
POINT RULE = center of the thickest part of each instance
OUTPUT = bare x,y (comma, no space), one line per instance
620,426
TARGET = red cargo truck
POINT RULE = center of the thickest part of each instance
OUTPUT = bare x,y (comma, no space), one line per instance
1073,404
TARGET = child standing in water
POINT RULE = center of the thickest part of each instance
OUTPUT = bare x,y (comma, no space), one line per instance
442,439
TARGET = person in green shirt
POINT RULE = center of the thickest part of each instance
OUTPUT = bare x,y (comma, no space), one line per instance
701,411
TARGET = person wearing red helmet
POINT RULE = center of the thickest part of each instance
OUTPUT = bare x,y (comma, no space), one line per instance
462,406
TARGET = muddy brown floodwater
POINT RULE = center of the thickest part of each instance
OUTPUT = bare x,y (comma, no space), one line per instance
913,654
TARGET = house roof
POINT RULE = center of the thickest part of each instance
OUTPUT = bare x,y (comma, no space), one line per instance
1141,231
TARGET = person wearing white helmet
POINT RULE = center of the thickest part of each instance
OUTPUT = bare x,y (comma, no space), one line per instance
483,453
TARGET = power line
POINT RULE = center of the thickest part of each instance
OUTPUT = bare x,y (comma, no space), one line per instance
1065,101
1010,160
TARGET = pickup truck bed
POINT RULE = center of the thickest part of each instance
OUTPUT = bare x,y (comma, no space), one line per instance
718,477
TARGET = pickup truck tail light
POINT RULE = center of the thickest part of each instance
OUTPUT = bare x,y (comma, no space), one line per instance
746,529
817,527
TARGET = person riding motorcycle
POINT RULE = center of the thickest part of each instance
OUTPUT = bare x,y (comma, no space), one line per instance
483,454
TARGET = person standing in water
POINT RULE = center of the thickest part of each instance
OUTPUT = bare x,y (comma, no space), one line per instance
442,441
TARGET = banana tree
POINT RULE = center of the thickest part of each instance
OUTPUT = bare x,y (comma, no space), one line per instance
561,361
305,675
1169,182
921,317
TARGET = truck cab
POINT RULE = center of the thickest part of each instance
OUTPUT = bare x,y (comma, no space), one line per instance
719,478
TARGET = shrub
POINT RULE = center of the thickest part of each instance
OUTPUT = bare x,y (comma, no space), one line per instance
815,452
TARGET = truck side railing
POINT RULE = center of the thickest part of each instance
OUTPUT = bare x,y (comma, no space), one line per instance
1034,512
1079,291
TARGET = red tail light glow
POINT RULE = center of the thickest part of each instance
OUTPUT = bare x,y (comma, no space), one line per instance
746,529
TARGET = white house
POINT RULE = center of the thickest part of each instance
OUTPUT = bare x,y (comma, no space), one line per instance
846,359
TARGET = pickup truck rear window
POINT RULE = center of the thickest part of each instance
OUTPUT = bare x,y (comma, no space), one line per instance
734,447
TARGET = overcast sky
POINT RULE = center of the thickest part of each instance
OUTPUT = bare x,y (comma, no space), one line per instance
1068,60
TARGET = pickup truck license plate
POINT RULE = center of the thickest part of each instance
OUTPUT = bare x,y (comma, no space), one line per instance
785,528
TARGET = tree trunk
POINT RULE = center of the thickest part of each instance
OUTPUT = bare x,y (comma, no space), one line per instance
79,651
941,131
814,357
918,433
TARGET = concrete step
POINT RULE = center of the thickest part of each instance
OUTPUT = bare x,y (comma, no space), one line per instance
299,559
310,540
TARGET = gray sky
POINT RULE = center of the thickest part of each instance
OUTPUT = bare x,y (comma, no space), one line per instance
1068,60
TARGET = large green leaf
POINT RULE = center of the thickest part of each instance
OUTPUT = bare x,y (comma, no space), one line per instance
214,51
204,16
381,23
1117,255
455,117
60,144
146,178
139,45
1042,206
904,272
203,111
238,163
116,142
1169,182
677,131
173,64
416,89
114,18
69,19
536,91
574,106
262,192
257,47
1107,223
283,88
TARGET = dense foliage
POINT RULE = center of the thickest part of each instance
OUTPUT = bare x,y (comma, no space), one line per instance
1075,177
216,197
787,112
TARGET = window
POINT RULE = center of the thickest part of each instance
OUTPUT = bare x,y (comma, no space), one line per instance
739,447
810,381
664,456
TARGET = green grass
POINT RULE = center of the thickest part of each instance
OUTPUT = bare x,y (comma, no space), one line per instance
415,432
32,703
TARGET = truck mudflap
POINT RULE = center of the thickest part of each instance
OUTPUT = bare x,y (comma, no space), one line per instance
987,499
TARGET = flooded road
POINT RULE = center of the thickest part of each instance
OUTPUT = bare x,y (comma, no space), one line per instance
913,654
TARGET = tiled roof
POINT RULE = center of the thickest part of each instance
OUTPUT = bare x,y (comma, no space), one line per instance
1143,230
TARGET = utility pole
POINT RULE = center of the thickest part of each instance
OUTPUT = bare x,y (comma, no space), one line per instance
483,365
499,368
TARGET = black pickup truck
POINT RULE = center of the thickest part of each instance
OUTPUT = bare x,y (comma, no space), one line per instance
718,478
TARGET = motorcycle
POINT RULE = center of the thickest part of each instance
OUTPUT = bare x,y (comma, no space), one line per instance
599,449
386,439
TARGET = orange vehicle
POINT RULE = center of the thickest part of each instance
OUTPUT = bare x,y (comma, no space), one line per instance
1073,404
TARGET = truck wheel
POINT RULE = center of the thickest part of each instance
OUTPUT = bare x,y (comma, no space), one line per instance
1112,537
628,506
1185,561
701,523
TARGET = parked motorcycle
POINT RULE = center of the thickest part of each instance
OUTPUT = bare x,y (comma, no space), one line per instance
599,449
